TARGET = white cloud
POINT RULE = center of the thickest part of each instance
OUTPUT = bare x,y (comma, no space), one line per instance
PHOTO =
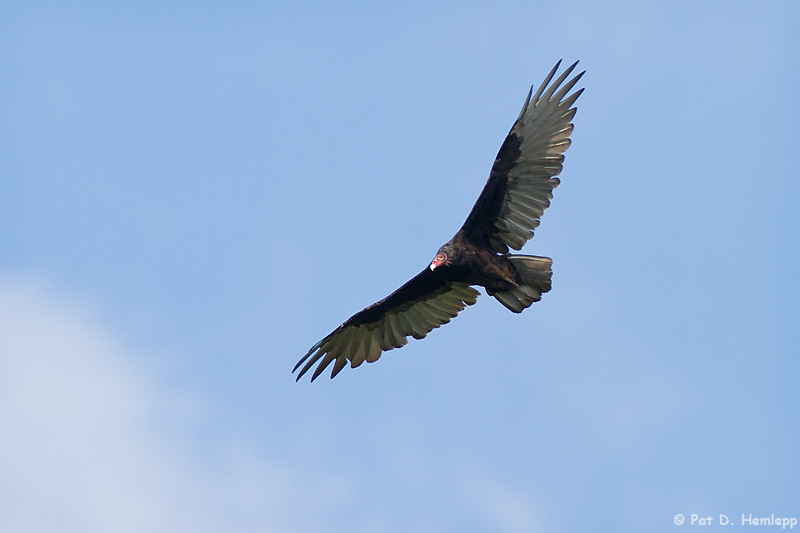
76,452
81,449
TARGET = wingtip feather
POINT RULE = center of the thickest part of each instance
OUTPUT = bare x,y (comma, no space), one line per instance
341,362
546,81
525,105
549,94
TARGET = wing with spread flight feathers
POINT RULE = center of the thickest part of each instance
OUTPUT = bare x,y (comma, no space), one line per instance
522,179
424,303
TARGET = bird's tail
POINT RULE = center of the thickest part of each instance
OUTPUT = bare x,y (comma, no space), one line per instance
535,273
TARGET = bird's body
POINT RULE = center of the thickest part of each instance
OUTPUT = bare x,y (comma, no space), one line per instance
507,211
476,265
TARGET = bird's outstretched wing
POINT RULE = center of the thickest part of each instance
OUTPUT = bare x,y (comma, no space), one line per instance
424,303
522,179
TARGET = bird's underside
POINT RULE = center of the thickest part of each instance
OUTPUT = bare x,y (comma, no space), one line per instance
507,211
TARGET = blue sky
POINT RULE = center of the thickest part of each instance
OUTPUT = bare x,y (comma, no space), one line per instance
193,195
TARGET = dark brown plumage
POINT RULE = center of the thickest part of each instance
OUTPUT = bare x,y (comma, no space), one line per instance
507,211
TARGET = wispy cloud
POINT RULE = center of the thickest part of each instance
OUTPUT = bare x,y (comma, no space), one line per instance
83,447
500,506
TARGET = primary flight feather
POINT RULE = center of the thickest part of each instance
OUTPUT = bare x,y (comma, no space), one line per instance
518,191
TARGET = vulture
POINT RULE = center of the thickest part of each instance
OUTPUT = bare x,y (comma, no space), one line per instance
519,189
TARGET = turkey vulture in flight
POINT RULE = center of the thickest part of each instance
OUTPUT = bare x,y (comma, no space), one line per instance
519,189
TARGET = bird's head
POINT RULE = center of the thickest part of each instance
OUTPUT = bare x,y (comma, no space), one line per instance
439,260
